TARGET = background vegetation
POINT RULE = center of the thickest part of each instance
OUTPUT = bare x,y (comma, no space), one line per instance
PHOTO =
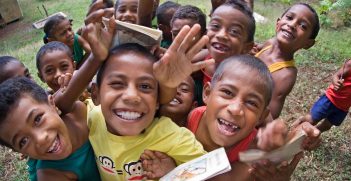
332,161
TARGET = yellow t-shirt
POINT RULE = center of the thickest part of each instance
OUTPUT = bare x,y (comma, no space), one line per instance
117,157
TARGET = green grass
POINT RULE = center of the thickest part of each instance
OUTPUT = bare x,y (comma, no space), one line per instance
332,161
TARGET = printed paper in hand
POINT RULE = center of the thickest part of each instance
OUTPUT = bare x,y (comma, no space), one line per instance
207,166
285,152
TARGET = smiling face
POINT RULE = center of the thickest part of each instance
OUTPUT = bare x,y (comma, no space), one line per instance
235,105
227,31
128,98
295,27
36,130
183,102
127,11
63,32
54,64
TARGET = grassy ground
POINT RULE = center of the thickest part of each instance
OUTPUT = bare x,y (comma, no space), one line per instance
332,161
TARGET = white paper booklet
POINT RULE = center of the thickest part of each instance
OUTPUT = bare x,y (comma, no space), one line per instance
133,33
207,166
285,152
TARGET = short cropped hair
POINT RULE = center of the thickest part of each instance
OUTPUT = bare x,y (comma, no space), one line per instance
4,60
107,3
193,13
242,7
50,47
119,50
254,64
163,12
316,26
12,90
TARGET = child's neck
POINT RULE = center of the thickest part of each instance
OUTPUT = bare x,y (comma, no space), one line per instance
77,135
280,51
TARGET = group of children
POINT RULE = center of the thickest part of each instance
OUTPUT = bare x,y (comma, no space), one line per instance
148,114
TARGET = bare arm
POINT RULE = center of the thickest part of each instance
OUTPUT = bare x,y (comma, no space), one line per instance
100,41
284,81
145,9
338,77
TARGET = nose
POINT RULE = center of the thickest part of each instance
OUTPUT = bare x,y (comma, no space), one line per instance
235,108
222,33
41,138
131,95
292,24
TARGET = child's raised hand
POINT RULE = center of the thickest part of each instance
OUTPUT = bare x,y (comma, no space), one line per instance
175,65
312,140
98,37
338,84
274,135
156,164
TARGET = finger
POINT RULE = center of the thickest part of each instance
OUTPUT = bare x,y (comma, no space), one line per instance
310,130
179,39
189,38
295,161
67,79
96,6
197,47
150,154
202,64
94,17
160,155
112,25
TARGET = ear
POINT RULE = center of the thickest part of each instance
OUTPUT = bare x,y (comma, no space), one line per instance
264,116
51,100
248,47
157,105
277,24
194,105
95,94
206,92
309,43
40,76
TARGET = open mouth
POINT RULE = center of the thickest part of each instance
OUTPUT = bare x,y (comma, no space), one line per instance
288,34
220,47
56,146
227,128
175,101
129,116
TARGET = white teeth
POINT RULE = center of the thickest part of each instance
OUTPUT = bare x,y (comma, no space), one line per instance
175,101
228,124
54,146
129,115
220,47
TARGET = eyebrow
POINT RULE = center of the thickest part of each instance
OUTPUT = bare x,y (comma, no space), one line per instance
14,138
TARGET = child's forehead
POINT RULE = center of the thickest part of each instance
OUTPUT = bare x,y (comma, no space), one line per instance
228,11
304,11
127,2
131,58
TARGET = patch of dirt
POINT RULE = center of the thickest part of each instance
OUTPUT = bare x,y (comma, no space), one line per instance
14,27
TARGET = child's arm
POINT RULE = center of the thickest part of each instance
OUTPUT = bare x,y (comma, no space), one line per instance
338,77
176,65
284,81
156,164
145,9
100,41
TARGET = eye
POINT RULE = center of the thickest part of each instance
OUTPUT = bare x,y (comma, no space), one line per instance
214,26
227,92
134,9
252,103
121,10
49,71
64,67
303,26
23,142
37,119
234,32
145,87
116,84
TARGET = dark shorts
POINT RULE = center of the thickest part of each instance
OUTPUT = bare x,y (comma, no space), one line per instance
324,108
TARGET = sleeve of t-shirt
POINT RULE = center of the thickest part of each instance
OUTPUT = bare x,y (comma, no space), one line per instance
187,147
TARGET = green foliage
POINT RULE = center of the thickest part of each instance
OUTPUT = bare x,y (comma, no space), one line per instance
335,13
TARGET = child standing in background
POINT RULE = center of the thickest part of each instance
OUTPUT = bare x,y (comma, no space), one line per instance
59,28
333,106
164,15
296,29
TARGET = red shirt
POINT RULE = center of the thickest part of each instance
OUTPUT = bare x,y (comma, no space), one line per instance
341,98
233,154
